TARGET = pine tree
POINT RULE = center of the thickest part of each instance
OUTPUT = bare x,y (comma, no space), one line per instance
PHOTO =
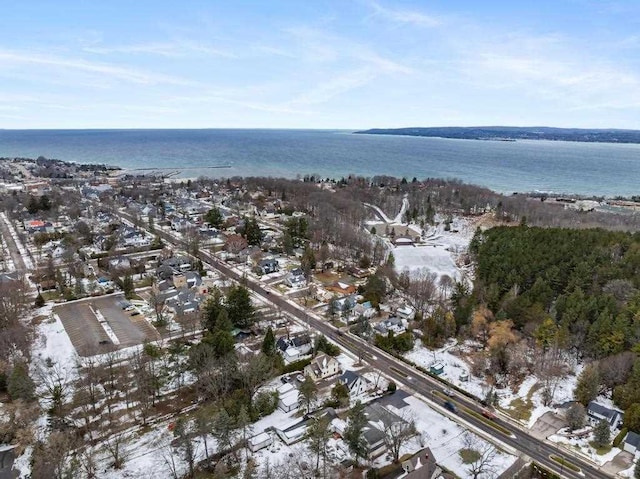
239,307
588,385
269,343
357,420
19,384
602,433
308,393
636,470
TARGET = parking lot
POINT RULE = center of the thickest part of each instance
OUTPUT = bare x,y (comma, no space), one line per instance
89,337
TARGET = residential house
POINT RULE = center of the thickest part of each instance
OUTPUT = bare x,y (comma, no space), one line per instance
322,366
296,279
294,348
356,384
422,466
405,312
393,324
597,412
632,442
365,310
379,418
341,288
267,266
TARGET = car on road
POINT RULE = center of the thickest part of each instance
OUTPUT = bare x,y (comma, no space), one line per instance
489,414
448,392
450,406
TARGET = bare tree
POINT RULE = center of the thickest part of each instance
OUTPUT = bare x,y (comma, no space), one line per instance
422,289
480,454
398,432
116,448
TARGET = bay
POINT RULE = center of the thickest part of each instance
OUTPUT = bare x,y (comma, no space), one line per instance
601,169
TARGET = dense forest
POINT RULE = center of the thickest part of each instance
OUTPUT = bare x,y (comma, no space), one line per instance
512,133
578,289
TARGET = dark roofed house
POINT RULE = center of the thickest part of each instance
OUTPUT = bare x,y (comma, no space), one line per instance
632,442
294,348
267,266
356,384
422,466
597,412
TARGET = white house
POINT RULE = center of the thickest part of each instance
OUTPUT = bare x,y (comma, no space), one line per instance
288,397
296,279
294,348
322,367
597,412
356,384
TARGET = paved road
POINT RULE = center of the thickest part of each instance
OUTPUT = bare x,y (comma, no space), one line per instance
538,450
18,262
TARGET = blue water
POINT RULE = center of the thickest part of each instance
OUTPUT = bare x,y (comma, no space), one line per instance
560,167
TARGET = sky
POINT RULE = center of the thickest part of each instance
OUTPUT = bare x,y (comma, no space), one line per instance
343,64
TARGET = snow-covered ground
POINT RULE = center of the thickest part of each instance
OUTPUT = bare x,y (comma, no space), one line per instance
455,368
433,258
23,252
445,438
439,251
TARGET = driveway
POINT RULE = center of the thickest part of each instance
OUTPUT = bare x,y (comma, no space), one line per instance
549,423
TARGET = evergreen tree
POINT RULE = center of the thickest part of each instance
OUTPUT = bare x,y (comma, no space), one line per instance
356,422
19,384
239,307
211,310
308,393
636,470
269,343
214,217
251,231
588,385
221,340
602,433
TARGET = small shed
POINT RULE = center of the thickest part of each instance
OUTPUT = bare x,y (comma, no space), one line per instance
259,441
437,368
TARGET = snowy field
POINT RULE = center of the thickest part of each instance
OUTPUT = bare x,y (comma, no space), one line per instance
434,259
455,367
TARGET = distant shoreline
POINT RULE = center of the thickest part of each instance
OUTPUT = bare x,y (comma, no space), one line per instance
511,134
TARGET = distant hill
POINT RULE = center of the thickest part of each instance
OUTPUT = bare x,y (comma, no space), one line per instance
512,133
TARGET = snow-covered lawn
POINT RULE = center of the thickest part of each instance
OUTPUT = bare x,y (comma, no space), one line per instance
433,258
440,250
455,367
445,438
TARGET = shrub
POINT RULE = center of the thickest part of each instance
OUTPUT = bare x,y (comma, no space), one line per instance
620,437
296,366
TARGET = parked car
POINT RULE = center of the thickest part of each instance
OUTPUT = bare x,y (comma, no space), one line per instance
450,406
300,378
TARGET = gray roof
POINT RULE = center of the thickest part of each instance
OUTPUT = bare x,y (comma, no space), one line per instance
598,409
633,439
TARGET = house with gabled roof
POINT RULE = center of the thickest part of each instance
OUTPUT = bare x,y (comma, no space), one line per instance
293,348
356,384
322,366
596,412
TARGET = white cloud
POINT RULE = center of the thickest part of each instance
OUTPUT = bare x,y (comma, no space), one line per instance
175,49
131,75
396,15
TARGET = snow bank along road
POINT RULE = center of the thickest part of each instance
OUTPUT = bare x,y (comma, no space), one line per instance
519,439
